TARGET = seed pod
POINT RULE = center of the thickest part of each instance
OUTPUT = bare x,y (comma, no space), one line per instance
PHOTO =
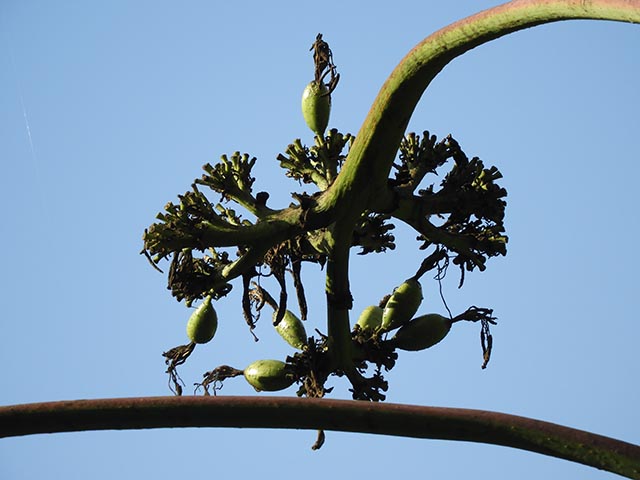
402,305
370,319
268,375
203,323
292,330
316,106
421,332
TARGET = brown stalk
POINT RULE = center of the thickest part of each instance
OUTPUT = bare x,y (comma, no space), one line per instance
310,413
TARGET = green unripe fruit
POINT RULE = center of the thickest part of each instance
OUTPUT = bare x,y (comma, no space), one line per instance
268,375
292,330
316,106
402,305
203,323
422,332
370,319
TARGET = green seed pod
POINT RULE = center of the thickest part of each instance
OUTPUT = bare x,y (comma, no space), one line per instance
370,319
203,323
402,305
292,330
316,106
268,375
421,332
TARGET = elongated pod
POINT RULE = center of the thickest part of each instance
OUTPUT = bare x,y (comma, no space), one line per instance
203,323
370,319
268,375
292,330
402,305
421,332
316,106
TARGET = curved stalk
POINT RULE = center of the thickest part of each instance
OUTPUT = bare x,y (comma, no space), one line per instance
340,415
371,156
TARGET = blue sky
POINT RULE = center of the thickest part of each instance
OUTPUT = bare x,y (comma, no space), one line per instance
109,109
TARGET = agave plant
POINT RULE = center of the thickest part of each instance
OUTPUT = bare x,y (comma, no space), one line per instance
363,183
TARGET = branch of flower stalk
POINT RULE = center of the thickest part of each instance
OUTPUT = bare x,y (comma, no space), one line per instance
255,253
480,426
412,212
271,229
245,262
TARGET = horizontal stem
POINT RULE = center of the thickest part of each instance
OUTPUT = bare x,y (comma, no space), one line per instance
340,415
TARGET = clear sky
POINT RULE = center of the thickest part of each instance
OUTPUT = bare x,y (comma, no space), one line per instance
109,109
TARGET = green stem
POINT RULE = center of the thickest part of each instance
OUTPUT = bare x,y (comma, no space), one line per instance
340,415
367,167
338,292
